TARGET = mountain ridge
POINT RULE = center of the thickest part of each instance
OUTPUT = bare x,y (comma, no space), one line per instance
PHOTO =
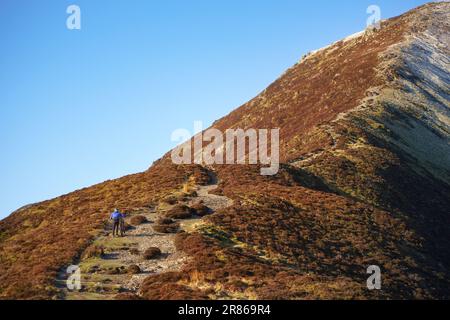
363,181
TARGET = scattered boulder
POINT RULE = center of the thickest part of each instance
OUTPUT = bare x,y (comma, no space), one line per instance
152,253
134,269
137,220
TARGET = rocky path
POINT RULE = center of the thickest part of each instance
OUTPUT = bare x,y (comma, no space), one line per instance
104,276
212,201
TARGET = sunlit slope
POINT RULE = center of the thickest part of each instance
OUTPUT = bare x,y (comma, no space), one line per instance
364,180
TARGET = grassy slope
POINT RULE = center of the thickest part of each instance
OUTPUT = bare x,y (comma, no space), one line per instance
291,237
309,232
38,240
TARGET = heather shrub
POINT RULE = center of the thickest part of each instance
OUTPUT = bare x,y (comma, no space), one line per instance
127,296
165,221
170,200
137,220
179,240
181,197
170,228
134,269
164,287
179,212
152,253
93,252
201,210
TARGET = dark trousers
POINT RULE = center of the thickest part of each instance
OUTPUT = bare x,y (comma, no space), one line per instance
116,227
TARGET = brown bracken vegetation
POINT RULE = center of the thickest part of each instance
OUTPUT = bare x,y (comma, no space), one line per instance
179,212
39,240
134,269
200,209
137,220
346,197
166,228
152,253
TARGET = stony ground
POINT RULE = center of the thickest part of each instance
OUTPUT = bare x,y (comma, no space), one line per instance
103,277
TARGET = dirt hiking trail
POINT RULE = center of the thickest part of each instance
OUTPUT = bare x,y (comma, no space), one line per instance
114,270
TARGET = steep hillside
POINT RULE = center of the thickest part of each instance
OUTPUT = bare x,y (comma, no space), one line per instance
365,178
37,241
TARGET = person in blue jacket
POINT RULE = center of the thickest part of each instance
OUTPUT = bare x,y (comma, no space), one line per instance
117,218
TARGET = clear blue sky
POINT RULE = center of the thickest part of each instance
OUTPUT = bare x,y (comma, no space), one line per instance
80,107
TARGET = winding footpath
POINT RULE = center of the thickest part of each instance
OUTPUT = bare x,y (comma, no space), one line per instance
102,278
